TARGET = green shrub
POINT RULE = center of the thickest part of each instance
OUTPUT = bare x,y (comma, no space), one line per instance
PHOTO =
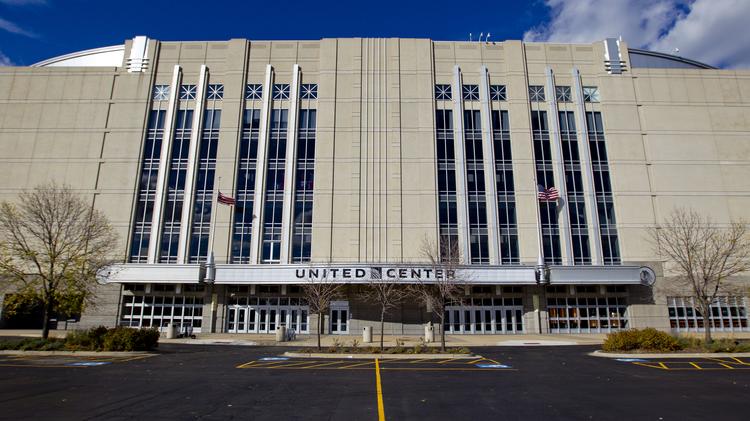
727,345
9,344
86,340
648,339
127,339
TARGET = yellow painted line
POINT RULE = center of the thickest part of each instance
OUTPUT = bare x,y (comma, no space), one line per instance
696,365
475,361
355,365
660,366
402,368
727,366
740,361
448,369
137,357
293,364
379,388
419,360
322,365
246,364
720,360
445,361
43,366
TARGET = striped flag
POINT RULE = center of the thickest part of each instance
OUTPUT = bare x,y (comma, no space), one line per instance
226,200
546,195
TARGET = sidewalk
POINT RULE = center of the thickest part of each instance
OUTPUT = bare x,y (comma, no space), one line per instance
310,340
390,340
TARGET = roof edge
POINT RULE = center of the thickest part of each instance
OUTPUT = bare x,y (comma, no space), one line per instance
671,57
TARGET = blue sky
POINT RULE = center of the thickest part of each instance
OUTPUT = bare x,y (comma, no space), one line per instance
33,30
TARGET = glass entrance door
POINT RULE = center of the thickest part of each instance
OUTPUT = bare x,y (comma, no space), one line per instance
485,316
340,317
237,319
264,315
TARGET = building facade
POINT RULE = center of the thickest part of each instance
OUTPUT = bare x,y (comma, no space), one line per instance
542,165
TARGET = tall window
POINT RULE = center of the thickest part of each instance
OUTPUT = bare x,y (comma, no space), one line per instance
144,208
274,197
545,178
242,226
446,182
176,186
506,200
204,185
574,186
475,188
303,195
603,187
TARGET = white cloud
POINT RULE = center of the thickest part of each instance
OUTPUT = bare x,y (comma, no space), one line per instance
712,31
715,31
5,60
11,27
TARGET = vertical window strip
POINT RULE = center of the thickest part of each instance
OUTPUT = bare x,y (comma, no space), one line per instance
147,187
274,195
446,174
242,225
204,186
303,196
176,187
574,187
603,189
506,200
475,188
545,178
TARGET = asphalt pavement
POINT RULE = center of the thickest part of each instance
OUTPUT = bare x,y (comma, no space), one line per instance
231,382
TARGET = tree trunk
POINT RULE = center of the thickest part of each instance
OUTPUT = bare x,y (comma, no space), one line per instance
707,328
382,329
47,313
442,333
320,327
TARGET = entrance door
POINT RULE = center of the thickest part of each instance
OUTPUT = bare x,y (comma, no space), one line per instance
340,317
237,319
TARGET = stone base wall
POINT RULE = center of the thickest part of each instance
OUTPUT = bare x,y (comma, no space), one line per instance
105,309
648,315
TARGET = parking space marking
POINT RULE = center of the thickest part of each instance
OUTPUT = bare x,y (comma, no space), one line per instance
65,361
420,364
326,364
356,365
379,388
702,364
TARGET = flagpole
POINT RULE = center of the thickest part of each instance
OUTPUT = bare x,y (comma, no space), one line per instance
540,248
211,264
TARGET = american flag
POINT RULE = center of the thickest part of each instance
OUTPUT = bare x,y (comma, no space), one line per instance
546,195
226,200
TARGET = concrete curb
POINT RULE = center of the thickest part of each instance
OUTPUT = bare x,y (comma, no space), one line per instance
209,342
603,354
79,353
383,356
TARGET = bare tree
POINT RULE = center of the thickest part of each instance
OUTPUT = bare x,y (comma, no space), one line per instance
445,287
53,243
387,296
319,293
701,256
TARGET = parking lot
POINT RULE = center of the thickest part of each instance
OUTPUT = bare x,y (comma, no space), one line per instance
225,382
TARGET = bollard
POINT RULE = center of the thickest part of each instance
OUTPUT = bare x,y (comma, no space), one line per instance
429,333
281,334
367,334
171,331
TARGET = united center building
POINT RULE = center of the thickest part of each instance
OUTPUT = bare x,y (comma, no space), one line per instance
344,157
